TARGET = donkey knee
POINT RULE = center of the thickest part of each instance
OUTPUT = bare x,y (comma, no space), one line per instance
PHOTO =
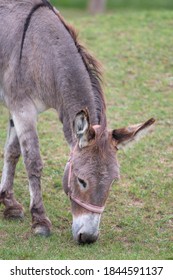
12,153
31,154
34,167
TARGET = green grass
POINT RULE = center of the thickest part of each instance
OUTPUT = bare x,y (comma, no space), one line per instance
136,51
118,4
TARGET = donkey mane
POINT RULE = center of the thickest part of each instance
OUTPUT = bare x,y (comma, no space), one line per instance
93,67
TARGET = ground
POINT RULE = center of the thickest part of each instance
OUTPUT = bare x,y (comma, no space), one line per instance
135,49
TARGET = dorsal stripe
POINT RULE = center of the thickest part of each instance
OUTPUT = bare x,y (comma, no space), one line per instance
44,3
27,22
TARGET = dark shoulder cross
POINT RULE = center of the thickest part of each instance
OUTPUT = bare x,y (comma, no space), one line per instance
44,3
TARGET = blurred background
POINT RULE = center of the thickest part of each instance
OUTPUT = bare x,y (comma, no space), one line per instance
96,6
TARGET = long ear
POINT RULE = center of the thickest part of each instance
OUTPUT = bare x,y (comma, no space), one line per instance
82,129
124,136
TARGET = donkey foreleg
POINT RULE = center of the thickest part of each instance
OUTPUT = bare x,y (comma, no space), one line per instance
11,156
25,123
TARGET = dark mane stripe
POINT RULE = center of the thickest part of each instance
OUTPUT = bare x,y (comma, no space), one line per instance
27,22
47,4
44,3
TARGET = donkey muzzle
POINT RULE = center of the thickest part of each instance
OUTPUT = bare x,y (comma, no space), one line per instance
85,228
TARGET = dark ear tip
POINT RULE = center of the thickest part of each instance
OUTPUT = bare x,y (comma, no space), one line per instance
150,122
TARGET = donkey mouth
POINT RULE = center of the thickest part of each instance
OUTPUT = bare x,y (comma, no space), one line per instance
84,238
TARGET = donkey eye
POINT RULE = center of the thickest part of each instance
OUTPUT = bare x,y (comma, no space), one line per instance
82,182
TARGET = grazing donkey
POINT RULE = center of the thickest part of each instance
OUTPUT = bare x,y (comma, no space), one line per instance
42,66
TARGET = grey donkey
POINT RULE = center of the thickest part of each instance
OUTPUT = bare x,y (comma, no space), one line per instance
42,66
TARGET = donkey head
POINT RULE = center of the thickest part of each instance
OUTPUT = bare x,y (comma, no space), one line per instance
92,169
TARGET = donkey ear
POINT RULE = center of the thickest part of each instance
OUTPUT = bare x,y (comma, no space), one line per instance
125,136
82,129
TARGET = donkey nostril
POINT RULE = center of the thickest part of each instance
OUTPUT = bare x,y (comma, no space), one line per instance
86,239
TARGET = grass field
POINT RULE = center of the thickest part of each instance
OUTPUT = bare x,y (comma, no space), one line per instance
136,51
118,4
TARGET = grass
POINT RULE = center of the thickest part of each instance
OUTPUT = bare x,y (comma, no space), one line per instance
136,51
118,4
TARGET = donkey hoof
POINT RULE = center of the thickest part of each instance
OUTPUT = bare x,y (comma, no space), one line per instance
14,212
42,229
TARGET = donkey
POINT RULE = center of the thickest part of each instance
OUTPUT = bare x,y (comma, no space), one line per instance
42,66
